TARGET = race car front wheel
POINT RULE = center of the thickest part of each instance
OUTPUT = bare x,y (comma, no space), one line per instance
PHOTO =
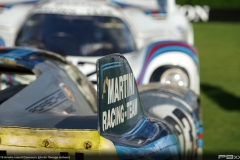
171,75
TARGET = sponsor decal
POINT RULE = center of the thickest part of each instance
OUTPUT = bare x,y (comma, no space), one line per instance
195,13
67,91
47,103
119,106
119,88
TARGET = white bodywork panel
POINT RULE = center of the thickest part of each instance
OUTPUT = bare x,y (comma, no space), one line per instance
11,19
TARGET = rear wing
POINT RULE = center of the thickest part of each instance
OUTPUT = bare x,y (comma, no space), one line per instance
119,106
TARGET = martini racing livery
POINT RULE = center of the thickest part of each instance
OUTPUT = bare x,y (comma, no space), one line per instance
50,110
84,31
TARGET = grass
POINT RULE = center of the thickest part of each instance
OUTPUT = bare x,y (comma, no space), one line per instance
218,46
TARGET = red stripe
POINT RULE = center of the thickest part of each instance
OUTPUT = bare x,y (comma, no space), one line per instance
155,12
10,79
200,136
160,46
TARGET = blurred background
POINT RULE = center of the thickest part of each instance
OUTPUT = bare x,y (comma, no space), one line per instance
216,26
217,39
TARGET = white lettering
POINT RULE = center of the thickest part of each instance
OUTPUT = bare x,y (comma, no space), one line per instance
129,109
125,88
122,114
135,106
104,117
195,13
121,88
118,115
111,97
115,116
112,120
116,90
109,119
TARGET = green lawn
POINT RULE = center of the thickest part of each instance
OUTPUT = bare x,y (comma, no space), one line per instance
218,46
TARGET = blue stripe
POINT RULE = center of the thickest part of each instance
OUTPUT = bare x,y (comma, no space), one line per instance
2,42
109,64
6,80
9,6
14,80
200,143
201,129
154,44
163,148
22,57
121,4
112,65
17,53
142,122
115,66
175,48
170,49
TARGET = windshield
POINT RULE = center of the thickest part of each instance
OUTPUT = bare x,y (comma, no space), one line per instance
76,35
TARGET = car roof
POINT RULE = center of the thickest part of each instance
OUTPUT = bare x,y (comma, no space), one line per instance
78,7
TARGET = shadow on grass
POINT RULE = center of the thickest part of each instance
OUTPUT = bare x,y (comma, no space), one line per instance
223,98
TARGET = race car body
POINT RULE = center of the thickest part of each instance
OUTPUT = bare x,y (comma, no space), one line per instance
54,115
162,16
12,16
83,31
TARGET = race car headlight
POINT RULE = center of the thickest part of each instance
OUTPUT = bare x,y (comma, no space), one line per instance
175,76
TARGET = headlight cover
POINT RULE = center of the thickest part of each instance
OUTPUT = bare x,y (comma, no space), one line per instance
175,76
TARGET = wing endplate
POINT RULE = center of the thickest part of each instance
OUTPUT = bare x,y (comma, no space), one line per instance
118,99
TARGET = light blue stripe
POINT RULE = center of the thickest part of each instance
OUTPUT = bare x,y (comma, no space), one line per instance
112,67
101,76
175,49
110,64
161,42
200,143
200,129
17,53
6,80
171,49
2,42
161,148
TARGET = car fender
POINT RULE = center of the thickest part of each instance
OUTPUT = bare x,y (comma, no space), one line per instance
176,59
161,53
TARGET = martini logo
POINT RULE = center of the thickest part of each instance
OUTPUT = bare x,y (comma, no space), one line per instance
67,91
119,88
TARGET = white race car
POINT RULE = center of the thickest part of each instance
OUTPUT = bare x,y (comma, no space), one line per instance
12,16
85,30
162,15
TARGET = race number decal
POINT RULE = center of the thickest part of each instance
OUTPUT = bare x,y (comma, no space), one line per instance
182,124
